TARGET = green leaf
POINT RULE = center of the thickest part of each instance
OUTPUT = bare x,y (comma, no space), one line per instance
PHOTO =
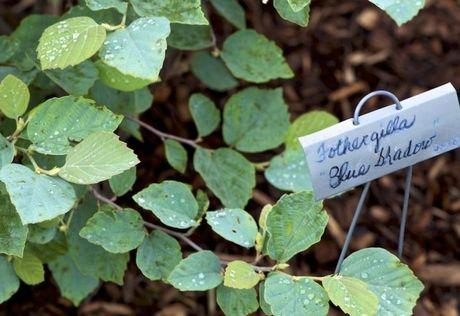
158,255
10,282
127,103
203,203
72,284
6,152
69,42
51,250
75,80
240,275
91,259
229,175
289,171
115,79
212,72
8,47
205,114
266,308
115,231
97,158
394,284
29,269
295,223
200,271
176,11
96,5
235,225
122,183
176,155
289,295
190,37
400,11
58,121
256,119
37,197
28,33
307,124
171,201
298,5
109,16
14,97
26,76
254,58
139,49
351,295
13,234
41,235
232,11
236,302
284,9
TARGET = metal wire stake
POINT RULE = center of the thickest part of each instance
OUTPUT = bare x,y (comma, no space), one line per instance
359,208
363,196
405,210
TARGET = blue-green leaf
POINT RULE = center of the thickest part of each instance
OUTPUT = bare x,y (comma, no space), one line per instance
288,295
97,5
394,284
237,302
254,58
172,202
115,231
122,183
401,11
37,197
289,171
6,152
176,11
190,37
200,271
295,223
158,255
13,234
235,225
176,155
72,284
139,49
205,114
232,11
58,121
255,119
285,10
229,175
91,259
10,282
212,72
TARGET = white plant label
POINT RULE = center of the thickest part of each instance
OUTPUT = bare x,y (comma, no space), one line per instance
345,155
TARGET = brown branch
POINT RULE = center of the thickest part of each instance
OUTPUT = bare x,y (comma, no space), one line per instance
161,134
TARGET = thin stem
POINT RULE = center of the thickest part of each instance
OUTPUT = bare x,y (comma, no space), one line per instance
315,278
37,168
261,166
161,134
104,199
176,234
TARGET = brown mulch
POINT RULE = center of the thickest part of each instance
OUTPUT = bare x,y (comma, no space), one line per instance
349,49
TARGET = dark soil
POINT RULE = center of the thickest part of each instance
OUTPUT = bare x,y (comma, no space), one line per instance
349,49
